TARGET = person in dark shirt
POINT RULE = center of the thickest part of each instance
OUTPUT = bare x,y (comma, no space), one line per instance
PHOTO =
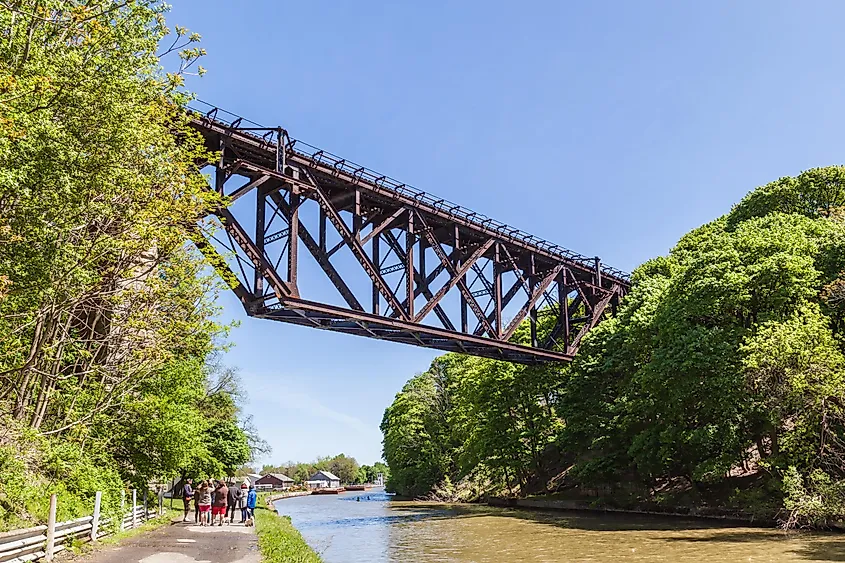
233,500
218,506
187,495
197,497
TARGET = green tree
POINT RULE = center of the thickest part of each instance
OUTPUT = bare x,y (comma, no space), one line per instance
415,435
108,328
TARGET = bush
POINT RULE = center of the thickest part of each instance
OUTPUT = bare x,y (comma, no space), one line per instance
32,468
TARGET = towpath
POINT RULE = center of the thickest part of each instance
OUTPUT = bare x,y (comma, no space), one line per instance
184,543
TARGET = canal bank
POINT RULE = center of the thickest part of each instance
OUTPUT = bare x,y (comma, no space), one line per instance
373,528
269,498
725,516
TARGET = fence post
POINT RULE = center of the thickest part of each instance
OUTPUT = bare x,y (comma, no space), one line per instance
122,510
95,522
134,508
51,530
160,500
146,510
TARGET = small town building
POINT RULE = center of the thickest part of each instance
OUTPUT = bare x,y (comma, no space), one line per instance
323,480
274,482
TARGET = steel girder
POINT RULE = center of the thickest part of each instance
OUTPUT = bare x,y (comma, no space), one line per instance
393,234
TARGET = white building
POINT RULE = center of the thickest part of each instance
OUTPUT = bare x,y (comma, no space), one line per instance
323,480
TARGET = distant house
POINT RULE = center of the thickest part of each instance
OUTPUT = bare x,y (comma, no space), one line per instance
323,480
274,481
253,478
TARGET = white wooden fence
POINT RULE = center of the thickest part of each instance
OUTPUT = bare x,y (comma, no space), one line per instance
43,542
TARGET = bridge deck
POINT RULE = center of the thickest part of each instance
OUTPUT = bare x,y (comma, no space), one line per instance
517,276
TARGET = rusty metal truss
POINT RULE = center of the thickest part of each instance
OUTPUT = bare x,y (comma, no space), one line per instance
434,274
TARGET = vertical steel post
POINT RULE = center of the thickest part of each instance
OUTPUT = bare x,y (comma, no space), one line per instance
50,549
134,508
532,313
146,509
409,263
357,220
562,292
598,271
423,244
322,229
219,172
377,262
458,254
280,150
293,236
260,212
95,521
497,288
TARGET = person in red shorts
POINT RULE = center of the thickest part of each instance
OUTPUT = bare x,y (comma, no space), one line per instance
218,506
204,503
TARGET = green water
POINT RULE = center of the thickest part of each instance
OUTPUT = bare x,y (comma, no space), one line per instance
346,530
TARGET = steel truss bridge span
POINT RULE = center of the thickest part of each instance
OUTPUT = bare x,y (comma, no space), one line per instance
406,266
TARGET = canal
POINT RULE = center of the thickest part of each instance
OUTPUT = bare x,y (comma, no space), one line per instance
344,529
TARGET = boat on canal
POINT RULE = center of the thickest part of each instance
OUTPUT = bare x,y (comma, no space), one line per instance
327,491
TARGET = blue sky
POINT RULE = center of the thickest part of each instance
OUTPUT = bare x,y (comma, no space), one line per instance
610,128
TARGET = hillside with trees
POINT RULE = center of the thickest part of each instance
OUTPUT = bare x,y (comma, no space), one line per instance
109,339
718,384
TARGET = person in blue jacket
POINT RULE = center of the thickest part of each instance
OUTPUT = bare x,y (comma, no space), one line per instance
251,498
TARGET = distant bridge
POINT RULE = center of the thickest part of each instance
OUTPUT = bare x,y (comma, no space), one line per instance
407,266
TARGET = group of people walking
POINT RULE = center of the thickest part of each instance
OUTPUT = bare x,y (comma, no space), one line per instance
219,501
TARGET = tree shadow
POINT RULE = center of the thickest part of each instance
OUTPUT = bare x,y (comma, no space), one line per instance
727,536
822,550
595,521
813,546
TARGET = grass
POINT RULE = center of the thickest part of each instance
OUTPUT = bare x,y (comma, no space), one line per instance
279,541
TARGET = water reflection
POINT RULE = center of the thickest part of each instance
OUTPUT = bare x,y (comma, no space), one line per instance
349,528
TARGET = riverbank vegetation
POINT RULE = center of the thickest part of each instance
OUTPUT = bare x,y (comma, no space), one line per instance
109,344
719,383
279,541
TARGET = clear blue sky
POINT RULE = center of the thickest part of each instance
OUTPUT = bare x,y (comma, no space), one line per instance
610,128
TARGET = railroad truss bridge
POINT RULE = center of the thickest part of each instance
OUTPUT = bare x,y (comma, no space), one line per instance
405,266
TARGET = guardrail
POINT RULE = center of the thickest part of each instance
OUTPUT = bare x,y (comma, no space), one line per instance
43,542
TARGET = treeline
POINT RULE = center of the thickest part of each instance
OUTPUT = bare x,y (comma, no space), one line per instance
109,347
719,382
346,468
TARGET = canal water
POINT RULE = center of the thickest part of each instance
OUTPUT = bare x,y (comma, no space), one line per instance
344,529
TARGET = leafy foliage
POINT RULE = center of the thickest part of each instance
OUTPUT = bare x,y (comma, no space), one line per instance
725,360
108,330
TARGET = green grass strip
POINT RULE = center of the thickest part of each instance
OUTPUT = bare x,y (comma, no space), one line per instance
279,541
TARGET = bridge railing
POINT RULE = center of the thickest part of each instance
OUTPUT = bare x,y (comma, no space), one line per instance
451,209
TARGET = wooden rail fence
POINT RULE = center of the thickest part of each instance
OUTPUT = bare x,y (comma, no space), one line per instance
43,542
